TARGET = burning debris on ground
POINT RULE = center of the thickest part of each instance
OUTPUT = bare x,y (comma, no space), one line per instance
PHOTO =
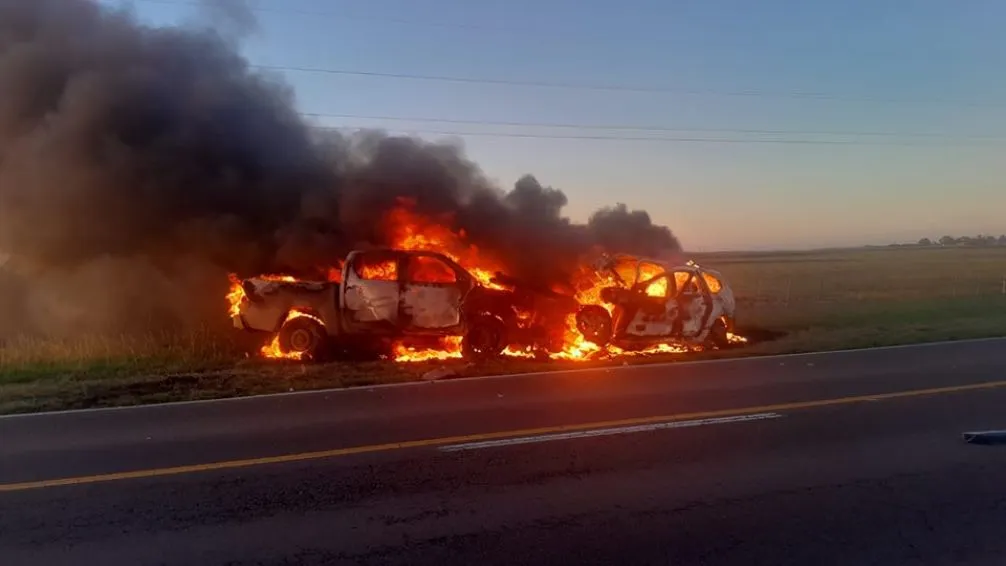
139,166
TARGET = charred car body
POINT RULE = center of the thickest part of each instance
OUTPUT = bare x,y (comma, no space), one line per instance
654,302
389,295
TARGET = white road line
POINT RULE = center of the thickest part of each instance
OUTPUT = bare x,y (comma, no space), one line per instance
606,432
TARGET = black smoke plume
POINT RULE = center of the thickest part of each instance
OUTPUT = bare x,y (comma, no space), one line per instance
139,165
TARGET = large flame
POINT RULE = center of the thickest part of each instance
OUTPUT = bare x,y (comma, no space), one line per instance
450,350
235,296
406,229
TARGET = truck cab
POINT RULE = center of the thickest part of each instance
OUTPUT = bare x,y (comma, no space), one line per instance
395,292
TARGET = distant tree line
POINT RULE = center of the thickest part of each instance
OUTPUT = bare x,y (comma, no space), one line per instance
980,240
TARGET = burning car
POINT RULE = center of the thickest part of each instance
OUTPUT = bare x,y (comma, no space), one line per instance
654,302
391,295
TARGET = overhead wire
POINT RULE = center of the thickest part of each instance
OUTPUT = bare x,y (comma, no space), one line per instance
569,85
677,139
637,128
810,95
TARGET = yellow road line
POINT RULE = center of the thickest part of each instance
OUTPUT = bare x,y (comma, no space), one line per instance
231,464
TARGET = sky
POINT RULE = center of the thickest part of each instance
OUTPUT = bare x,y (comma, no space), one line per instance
892,113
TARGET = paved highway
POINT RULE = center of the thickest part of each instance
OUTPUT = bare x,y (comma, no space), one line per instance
843,458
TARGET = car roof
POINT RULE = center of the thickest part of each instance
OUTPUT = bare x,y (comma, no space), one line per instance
401,251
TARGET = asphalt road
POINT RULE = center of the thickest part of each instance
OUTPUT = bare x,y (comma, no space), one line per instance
844,458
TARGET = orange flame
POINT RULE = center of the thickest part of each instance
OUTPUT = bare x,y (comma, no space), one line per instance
384,270
408,230
235,295
450,350
334,273
273,350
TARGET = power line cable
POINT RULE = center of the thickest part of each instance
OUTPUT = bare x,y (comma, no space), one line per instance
809,95
797,94
683,139
614,127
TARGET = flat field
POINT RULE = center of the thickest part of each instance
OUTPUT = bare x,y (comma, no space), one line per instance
787,302
867,297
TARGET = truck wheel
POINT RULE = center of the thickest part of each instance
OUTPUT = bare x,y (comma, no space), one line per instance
718,336
302,335
594,323
485,339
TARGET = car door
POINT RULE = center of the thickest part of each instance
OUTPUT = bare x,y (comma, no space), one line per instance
371,291
721,299
432,293
694,304
651,313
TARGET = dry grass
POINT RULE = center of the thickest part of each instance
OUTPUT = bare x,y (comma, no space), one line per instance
803,301
200,344
859,298
881,274
26,358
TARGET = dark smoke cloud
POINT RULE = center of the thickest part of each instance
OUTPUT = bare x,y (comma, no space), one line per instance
138,165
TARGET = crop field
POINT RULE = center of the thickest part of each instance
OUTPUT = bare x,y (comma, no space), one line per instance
888,274
787,302
859,298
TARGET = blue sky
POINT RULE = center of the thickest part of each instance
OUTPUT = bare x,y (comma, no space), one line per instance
856,67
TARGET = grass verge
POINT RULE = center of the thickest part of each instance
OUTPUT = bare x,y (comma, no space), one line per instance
104,372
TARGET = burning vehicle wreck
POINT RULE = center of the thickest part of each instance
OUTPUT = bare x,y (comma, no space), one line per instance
419,305
654,303
396,299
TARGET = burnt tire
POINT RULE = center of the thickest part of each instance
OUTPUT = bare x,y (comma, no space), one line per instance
485,339
303,335
594,324
718,335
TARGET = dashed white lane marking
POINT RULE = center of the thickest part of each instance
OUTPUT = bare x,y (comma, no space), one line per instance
606,432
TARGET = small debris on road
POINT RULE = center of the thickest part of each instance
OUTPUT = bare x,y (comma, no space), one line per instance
444,372
989,437
438,373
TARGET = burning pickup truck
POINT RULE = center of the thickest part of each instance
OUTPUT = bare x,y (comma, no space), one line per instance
391,295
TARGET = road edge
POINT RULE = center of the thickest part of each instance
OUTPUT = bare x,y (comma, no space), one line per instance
338,390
